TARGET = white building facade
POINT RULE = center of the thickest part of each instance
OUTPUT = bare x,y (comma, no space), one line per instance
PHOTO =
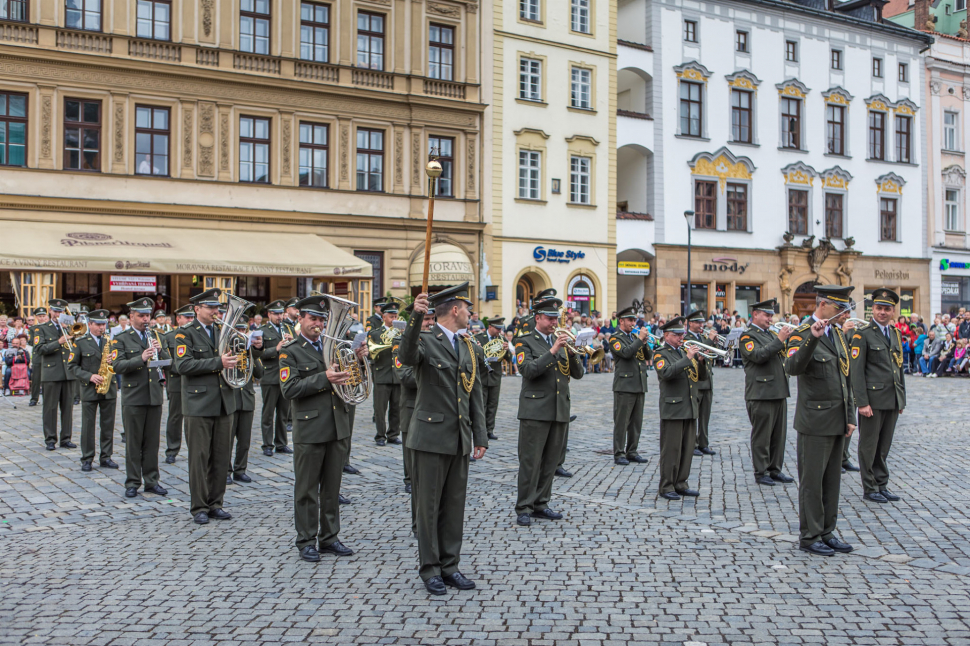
794,133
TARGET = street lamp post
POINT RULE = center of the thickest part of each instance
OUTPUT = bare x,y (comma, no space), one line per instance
687,216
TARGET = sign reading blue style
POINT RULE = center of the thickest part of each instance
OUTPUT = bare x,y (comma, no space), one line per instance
540,253
946,263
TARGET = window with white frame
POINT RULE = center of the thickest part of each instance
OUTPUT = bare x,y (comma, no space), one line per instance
888,209
530,79
960,5
530,172
581,88
579,16
579,179
530,10
950,130
951,204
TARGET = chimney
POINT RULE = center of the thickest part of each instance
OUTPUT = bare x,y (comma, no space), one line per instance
921,14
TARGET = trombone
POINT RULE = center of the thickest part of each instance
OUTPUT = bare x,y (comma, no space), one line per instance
706,351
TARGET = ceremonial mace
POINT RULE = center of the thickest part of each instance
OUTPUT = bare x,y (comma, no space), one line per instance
433,169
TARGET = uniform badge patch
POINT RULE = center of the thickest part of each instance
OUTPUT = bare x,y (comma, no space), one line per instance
792,351
36,339
179,336
794,338
749,346
520,357
855,353
856,336
397,363
180,351
284,374
283,355
70,357
616,345
114,355
660,364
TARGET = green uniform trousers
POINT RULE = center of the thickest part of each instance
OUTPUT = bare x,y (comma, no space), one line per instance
58,394
242,435
846,454
89,413
819,480
353,415
875,440
406,413
627,424
492,394
317,470
173,427
565,445
387,406
142,424
272,421
676,453
438,484
769,432
540,450
208,442
75,390
36,370
704,417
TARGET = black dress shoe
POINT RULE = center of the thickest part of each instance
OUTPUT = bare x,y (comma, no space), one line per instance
351,469
706,450
337,548
458,580
201,518
639,459
309,553
50,446
697,452
838,545
890,496
848,466
219,514
572,418
523,519
875,497
32,403
670,495
285,449
86,465
551,514
562,473
108,463
782,478
170,459
68,445
123,438
765,480
621,461
242,477
343,500
394,440
380,442
131,492
435,586
689,492
158,490
228,480
407,488
492,436
818,548
267,452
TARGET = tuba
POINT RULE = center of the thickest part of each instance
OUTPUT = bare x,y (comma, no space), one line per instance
337,350
234,342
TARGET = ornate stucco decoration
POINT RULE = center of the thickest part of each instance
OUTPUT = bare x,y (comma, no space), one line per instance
890,183
954,176
692,71
743,80
793,88
836,177
722,164
837,96
799,173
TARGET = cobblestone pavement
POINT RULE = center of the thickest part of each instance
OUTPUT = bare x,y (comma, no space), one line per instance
81,564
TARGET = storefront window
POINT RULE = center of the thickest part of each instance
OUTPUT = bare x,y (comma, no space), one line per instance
746,296
955,294
253,288
720,296
698,296
78,287
376,260
907,299
581,295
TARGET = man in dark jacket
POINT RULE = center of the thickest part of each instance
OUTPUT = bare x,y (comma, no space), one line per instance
630,353
242,419
492,379
85,365
173,384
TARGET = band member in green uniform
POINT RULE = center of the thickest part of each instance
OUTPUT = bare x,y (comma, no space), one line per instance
492,380
546,368
56,348
321,433
409,393
448,424
173,384
766,393
375,319
291,316
36,360
679,370
695,332
242,419
527,323
876,375
85,365
387,387
275,405
824,417
132,353
630,352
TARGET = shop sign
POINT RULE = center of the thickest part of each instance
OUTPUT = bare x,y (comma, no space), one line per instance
946,263
891,274
133,284
580,291
950,288
726,264
628,268
541,254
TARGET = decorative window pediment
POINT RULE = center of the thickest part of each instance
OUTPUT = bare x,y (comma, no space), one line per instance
722,164
890,183
837,95
793,88
879,102
799,173
693,71
906,107
954,176
836,177
743,80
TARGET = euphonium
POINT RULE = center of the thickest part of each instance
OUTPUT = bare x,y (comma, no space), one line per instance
106,371
234,342
336,349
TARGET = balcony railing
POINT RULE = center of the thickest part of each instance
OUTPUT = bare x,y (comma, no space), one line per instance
84,42
317,72
18,33
373,78
255,63
207,57
161,51
446,89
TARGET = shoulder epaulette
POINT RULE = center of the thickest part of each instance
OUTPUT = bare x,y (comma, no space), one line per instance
288,343
804,327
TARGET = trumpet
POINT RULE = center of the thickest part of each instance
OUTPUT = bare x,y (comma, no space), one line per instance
656,340
706,351
860,324
781,325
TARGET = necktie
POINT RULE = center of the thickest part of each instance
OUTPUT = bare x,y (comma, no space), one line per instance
316,345
212,337
886,330
454,338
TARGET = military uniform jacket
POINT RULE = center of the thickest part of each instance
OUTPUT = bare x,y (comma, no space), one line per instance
86,361
54,356
139,383
763,356
319,415
679,378
289,326
405,375
630,359
270,359
204,392
707,383
493,373
383,362
447,419
825,403
876,369
544,395
173,382
246,396
373,321
526,325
